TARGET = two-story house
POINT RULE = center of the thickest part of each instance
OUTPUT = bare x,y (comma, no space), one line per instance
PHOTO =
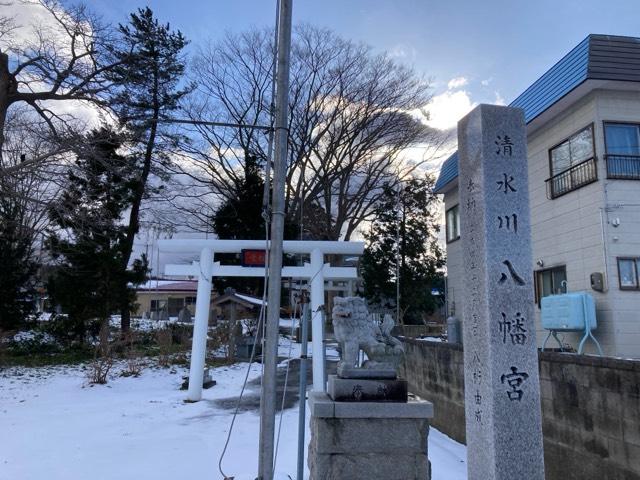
583,140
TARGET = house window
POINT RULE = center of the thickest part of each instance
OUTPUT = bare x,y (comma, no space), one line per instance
175,305
551,281
190,300
622,142
574,150
157,305
453,223
628,273
572,163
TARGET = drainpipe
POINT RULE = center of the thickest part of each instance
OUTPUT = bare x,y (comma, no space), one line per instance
604,248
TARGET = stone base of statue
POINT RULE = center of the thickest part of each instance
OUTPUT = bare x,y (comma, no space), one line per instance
367,389
345,371
368,440
365,428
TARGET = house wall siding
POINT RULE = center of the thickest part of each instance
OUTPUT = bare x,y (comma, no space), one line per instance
622,200
569,230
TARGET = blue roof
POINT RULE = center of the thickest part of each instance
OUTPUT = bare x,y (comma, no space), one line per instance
448,172
585,61
559,80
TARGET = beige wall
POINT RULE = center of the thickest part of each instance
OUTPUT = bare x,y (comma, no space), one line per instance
622,199
569,230
143,300
454,263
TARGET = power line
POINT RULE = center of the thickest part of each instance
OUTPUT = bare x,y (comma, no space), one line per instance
211,123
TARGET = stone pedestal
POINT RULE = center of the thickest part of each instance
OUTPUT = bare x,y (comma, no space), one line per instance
367,389
367,440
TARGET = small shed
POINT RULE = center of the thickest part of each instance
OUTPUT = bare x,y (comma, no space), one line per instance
245,306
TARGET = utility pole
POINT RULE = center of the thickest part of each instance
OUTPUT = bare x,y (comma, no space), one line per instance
270,353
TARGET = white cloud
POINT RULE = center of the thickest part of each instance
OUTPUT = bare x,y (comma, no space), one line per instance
447,108
499,99
457,82
27,16
486,82
32,19
403,51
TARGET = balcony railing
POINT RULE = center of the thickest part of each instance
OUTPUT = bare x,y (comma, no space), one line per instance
624,167
572,178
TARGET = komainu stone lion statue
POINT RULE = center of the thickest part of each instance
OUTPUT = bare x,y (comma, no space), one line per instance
355,330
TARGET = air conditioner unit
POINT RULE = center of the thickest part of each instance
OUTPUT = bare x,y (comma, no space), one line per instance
569,312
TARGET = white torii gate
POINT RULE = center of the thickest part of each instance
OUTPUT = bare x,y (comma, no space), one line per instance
316,271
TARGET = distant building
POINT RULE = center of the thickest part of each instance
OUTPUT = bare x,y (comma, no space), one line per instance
156,296
583,128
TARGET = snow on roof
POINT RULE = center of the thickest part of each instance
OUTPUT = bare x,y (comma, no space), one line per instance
254,300
169,285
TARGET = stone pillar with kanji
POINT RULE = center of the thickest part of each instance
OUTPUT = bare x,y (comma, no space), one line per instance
502,390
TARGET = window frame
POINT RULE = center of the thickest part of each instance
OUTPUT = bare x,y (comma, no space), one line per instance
446,224
608,172
537,276
636,263
615,122
590,126
161,304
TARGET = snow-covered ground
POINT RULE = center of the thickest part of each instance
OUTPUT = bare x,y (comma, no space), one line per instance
55,426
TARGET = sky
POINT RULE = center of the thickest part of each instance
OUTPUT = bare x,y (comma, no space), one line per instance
474,51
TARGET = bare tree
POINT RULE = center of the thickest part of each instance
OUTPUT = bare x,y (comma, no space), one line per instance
353,114
24,198
61,61
29,191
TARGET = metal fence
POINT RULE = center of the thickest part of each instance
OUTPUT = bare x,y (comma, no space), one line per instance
572,178
623,167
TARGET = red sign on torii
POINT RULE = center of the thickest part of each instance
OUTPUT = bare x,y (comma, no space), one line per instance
253,258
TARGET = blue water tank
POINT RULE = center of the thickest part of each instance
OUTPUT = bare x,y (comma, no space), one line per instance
569,312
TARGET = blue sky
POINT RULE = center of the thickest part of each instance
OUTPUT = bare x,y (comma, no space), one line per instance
494,48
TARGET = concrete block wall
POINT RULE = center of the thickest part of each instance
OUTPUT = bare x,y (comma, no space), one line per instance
591,416
435,371
590,407
414,331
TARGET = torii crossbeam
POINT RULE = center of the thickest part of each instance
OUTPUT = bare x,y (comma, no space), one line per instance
316,272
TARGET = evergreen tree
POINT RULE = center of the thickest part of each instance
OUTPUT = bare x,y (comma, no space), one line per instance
90,242
242,218
18,268
150,66
403,238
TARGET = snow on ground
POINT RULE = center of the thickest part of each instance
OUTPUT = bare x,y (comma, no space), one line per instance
289,322
31,336
56,426
448,457
429,339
